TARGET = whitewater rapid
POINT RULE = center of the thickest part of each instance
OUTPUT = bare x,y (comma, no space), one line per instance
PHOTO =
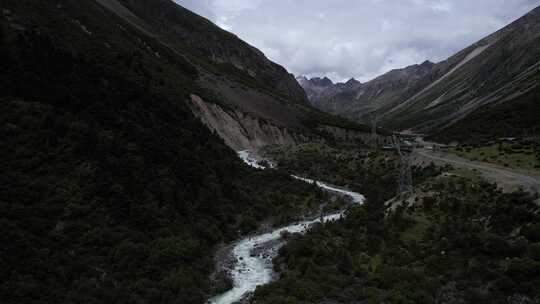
253,255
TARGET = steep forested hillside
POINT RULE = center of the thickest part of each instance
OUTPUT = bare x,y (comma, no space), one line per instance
202,40
519,117
499,69
232,75
111,191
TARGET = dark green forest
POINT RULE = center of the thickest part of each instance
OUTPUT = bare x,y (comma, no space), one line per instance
463,243
371,173
456,240
111,191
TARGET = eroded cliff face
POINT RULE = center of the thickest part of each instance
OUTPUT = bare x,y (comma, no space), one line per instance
239,130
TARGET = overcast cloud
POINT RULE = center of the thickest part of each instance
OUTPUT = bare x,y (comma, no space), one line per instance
359,38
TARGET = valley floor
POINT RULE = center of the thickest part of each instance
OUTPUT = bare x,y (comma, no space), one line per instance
456,239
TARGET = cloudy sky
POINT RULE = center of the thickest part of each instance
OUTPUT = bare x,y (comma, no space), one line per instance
359,38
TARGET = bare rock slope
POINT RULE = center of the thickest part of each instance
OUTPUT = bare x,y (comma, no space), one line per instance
247,99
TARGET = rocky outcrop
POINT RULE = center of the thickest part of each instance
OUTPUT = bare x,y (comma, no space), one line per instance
240,130
244,131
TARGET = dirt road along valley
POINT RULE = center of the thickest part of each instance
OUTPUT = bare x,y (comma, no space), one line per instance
507,179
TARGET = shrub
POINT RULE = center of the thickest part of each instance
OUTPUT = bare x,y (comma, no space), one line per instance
534,251
532,232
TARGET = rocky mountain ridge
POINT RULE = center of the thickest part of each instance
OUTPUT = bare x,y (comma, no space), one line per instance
231,73
482,79
354,99
198,38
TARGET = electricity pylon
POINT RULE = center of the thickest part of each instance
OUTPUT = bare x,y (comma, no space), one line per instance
405,183
374,140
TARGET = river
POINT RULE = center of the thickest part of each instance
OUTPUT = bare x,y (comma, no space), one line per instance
253,255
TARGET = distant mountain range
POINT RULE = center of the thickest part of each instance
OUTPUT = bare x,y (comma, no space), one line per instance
354,99
490,88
